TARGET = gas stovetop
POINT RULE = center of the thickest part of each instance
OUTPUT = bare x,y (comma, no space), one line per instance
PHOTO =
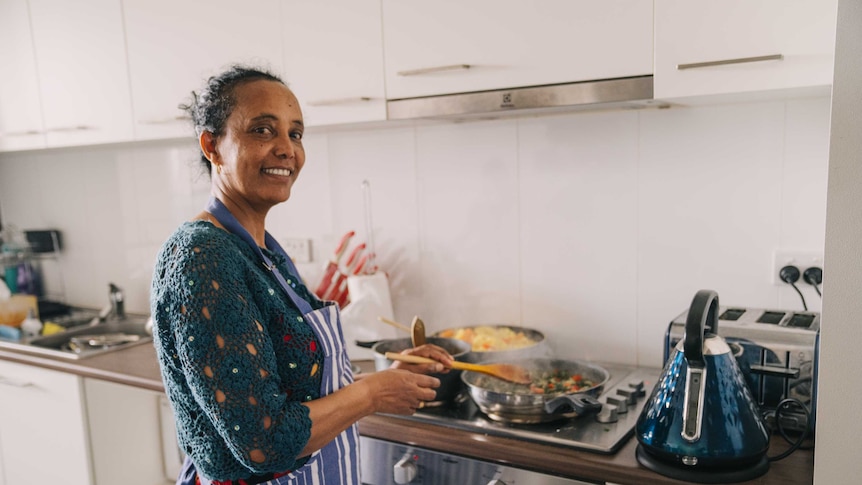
602,433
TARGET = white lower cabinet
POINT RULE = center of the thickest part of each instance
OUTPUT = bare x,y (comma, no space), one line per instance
57,427
125,434
43,436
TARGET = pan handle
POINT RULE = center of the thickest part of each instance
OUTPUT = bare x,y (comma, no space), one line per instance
580,403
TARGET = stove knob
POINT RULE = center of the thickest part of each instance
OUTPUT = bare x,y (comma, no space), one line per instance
496,481
638,385
620,402
608,414
629,395
404,471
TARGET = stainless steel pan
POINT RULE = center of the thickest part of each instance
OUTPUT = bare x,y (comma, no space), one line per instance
513,403
538,349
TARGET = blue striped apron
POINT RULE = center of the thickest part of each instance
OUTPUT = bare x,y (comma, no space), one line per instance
337,463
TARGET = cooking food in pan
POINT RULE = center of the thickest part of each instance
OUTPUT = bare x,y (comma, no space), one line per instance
488,338
560,389
546,381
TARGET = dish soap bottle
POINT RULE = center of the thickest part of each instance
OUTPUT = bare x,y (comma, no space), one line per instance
31,326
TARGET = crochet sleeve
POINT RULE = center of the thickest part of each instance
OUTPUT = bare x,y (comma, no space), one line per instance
228,361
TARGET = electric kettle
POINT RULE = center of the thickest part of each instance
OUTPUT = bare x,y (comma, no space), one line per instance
701,422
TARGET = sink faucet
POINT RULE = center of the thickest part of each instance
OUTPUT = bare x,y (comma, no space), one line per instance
118,309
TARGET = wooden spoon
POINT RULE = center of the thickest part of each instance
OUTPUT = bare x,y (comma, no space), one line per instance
399,326
507,372
417,331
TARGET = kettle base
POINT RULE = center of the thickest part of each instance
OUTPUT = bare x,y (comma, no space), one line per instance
700,474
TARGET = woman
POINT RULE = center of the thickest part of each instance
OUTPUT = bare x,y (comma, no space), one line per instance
253,364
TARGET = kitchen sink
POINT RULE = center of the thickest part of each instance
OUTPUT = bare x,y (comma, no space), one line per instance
84,341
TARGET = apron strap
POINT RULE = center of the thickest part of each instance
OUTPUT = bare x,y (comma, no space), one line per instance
226,219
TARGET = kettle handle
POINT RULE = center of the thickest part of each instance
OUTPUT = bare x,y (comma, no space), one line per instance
702,313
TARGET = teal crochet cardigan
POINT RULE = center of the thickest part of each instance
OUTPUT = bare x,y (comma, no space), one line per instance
236,358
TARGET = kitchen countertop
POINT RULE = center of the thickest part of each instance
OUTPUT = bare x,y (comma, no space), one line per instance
137,366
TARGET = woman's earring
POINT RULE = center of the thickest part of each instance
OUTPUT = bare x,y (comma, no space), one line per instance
218,169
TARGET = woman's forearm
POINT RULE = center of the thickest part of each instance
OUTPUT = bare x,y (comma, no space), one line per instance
332,414
389,391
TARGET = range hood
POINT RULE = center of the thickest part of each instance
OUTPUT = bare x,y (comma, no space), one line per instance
622,93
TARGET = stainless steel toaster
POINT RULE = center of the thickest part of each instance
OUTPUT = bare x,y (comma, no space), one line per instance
777,351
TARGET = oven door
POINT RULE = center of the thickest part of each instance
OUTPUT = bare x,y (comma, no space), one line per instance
387,463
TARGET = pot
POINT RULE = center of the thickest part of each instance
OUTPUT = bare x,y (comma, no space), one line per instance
450,382
483,349
701,415
515,403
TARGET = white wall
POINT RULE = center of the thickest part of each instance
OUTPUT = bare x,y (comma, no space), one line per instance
596,228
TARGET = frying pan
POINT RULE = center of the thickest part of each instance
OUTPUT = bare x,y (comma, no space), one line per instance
514,403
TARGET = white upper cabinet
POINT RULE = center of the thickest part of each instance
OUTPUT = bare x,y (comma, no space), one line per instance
333,59
450,46
175,45
83,75
705,47
21,125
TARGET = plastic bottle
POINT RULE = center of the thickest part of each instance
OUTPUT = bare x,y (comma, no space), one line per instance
31,326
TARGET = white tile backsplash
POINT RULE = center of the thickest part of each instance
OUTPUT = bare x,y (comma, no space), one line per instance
578,192
467,190
595,228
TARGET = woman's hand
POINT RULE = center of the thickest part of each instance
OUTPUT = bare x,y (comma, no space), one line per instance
431,351
397,391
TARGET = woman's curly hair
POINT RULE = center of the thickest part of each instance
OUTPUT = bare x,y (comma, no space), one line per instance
210,108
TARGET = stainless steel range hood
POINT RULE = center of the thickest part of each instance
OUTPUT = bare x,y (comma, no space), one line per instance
623,93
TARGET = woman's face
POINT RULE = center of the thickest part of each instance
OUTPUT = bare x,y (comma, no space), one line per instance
259,155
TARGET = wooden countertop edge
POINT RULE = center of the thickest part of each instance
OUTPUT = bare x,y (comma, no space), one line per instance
132,367
621,467
616,468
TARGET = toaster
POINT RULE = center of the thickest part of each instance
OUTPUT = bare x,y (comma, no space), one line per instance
777,352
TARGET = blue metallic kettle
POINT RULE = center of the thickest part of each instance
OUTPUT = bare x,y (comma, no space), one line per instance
701,414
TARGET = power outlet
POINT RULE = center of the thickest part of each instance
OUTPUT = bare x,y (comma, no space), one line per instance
801,259
299,249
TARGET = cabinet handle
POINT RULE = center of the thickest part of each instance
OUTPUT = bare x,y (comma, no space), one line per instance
22,133
13,383
165,121
724,62
431,70
339,101
60,129
49,130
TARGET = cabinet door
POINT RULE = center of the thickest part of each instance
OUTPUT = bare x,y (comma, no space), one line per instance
124,434
174,45
448,46
43,437
704,47
333,58
83,76
20,108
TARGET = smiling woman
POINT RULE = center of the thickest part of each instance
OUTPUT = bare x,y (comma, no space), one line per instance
250,358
